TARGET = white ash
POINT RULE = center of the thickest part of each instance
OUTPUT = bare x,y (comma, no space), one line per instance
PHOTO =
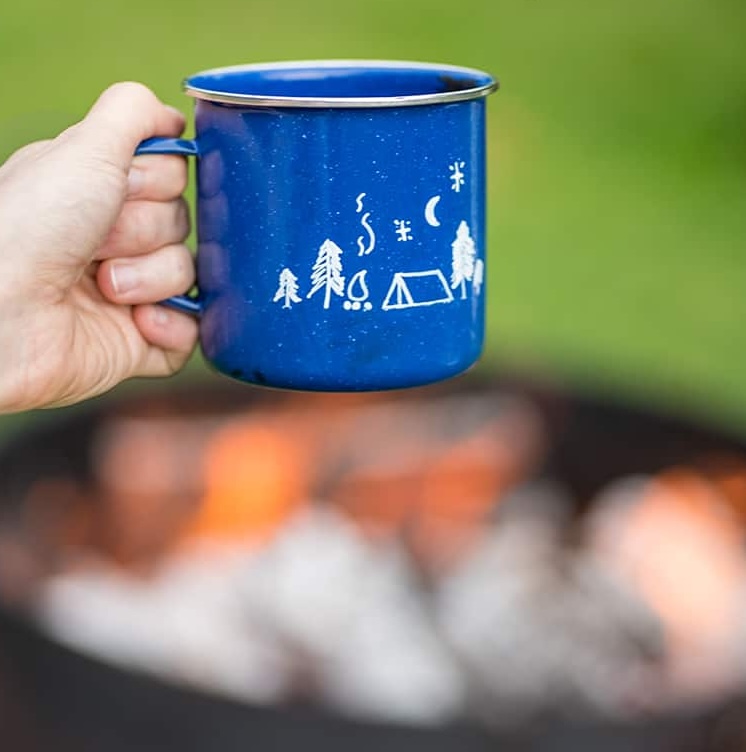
352,607
319,600
537,628
186,625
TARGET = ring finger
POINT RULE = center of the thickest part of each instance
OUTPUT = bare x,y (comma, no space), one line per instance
148,278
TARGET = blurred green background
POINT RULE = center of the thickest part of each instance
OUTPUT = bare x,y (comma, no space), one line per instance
618,155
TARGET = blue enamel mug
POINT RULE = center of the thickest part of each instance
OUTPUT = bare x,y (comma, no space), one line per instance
340,221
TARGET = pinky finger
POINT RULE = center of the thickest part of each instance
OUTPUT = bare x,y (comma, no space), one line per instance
172,336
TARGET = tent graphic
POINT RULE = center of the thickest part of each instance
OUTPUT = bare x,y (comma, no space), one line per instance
415,289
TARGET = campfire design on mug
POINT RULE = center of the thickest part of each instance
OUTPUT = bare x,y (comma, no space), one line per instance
407,289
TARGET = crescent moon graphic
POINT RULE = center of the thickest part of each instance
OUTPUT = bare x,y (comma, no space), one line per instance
430,211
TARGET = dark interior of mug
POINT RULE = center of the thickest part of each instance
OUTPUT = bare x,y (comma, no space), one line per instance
339,80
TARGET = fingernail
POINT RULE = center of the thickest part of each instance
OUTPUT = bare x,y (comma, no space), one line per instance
124,277
135,180
161,315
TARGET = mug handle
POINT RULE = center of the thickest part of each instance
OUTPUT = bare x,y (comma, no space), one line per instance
188,148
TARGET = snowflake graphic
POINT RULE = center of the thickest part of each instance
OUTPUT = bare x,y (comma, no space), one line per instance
403,230
457,175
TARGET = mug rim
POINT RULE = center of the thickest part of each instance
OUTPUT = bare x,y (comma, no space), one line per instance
490,85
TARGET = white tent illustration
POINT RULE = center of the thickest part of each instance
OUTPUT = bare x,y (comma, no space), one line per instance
415,289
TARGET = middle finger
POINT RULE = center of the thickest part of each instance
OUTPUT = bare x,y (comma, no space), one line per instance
144,226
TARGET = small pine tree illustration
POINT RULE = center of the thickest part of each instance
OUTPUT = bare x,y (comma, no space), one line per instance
464,253
287,289
327,272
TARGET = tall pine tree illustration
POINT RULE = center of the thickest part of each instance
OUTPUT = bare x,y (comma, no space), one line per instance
464,254
327,272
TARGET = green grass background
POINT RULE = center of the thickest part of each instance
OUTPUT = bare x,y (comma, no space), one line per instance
617,161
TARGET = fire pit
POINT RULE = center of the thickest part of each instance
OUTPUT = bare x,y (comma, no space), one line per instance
455,567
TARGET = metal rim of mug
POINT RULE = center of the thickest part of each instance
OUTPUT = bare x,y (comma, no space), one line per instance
408,100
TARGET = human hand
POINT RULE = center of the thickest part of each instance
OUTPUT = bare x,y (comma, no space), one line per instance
90,238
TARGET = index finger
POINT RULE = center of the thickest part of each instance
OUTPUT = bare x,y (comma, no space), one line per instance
157,177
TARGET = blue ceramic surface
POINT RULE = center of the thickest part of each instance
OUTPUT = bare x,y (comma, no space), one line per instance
340,221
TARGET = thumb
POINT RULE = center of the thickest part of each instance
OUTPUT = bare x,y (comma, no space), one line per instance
87,166
125,114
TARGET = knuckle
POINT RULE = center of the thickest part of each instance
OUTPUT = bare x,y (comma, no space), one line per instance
147,225
117,238
133,91
128,108
142,226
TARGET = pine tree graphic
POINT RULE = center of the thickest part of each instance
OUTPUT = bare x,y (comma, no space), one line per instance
464,253
287,289
327,272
